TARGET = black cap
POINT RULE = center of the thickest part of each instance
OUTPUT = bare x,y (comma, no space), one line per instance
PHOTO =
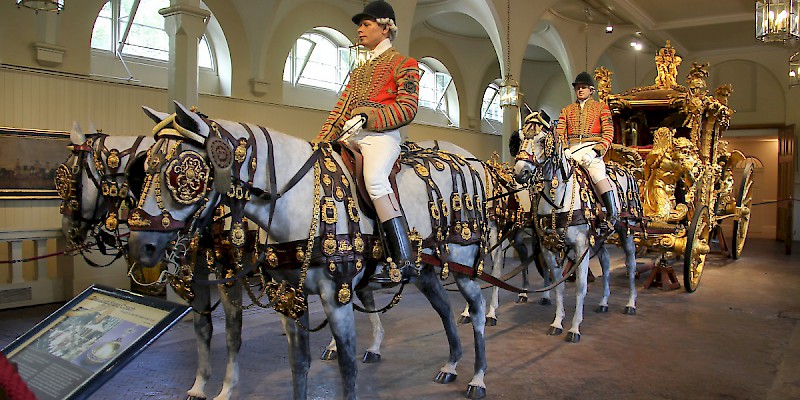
375,10
583,79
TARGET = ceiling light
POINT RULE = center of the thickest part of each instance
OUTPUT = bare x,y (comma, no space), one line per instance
636,45
609,28
777,20
42,5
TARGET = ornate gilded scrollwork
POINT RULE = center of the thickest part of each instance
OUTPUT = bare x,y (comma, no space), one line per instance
187,177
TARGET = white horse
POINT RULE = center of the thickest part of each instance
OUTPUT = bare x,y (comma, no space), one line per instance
565,199
288,216
101,173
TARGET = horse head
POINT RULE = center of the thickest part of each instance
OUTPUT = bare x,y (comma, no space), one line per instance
181,186
80,187
538,146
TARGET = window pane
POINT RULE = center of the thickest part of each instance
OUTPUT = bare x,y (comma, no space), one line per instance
147,37
490,108
204,58
101,33
427,88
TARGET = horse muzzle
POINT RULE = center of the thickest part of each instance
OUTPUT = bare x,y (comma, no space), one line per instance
148,247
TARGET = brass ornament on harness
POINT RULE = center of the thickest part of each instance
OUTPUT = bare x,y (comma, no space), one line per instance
466,233
113,159
358,243
359,265
345,182
455,202
344,294
554,182
299,253
394,273
187,177
345,246
111,221
339,193
237,234
241,151
330,165
326,179
434,210
272,258
480,267
332,267
329,212
422,170
329,245
377,250
468,202
352,210
445,271
64,183
165,222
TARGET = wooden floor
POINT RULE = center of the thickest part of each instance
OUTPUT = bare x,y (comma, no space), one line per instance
737,337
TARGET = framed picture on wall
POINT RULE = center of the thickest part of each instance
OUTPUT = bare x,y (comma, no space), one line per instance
28,162
80,346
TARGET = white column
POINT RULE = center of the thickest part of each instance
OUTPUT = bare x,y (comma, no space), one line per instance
185,23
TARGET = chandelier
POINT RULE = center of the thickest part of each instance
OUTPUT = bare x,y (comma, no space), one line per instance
42,5
509,88
777,20
794,70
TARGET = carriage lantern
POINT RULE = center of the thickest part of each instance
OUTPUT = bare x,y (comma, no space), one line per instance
42,5
777,20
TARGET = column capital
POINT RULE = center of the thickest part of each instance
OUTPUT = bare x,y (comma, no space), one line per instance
184,9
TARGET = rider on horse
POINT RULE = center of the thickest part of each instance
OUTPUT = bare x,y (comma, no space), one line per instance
380,98
585,127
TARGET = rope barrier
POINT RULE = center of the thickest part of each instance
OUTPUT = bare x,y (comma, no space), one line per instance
58,253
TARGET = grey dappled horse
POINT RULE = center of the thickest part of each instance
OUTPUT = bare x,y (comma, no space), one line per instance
87,209
287,218
542,163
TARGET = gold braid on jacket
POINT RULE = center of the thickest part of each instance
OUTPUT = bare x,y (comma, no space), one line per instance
385,89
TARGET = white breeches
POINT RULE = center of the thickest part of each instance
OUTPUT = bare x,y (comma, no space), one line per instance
585,155
380,150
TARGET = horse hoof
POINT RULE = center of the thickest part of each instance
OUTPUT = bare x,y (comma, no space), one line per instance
629,311
475,392
329,355
545,302
601,309
491,321
464,320
445,377
371,358
553,331
573,337
522,299
195,398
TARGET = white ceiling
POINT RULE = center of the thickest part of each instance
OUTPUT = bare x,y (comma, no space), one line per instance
693,26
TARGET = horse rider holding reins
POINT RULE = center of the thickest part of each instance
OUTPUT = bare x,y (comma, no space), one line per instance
585,127
380,97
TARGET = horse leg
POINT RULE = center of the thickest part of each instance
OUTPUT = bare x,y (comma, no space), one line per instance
574,335
471,290
556,327
299,354
630,262
231,298
373,353
343,327
428,284
498,261
203,329
522,252
605,264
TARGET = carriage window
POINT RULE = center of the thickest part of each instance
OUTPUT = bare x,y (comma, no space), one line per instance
436,90
146,36
319,58
491,113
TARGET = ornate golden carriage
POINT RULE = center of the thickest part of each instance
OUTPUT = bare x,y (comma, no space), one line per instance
670,136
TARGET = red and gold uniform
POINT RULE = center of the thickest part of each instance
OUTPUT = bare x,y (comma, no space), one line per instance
385,89
590,123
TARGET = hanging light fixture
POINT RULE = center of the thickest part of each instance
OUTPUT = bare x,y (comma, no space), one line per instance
42,5
359,55
794,70
509,88
777,20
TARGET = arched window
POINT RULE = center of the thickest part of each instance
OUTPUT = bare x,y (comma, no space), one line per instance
143,35
437,93
491,113
320,58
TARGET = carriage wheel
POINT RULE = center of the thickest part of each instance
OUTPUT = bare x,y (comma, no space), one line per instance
743,204
694,259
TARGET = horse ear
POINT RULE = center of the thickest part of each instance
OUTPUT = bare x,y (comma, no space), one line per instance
190,120
76,136
156,116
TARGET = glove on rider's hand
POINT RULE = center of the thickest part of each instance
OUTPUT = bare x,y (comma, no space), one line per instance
568,153
352,126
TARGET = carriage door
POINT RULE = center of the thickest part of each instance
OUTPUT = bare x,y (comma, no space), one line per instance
786,145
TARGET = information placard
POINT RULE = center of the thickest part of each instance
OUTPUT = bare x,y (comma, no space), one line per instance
72,352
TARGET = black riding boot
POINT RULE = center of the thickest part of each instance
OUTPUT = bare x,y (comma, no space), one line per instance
396,233
611,213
